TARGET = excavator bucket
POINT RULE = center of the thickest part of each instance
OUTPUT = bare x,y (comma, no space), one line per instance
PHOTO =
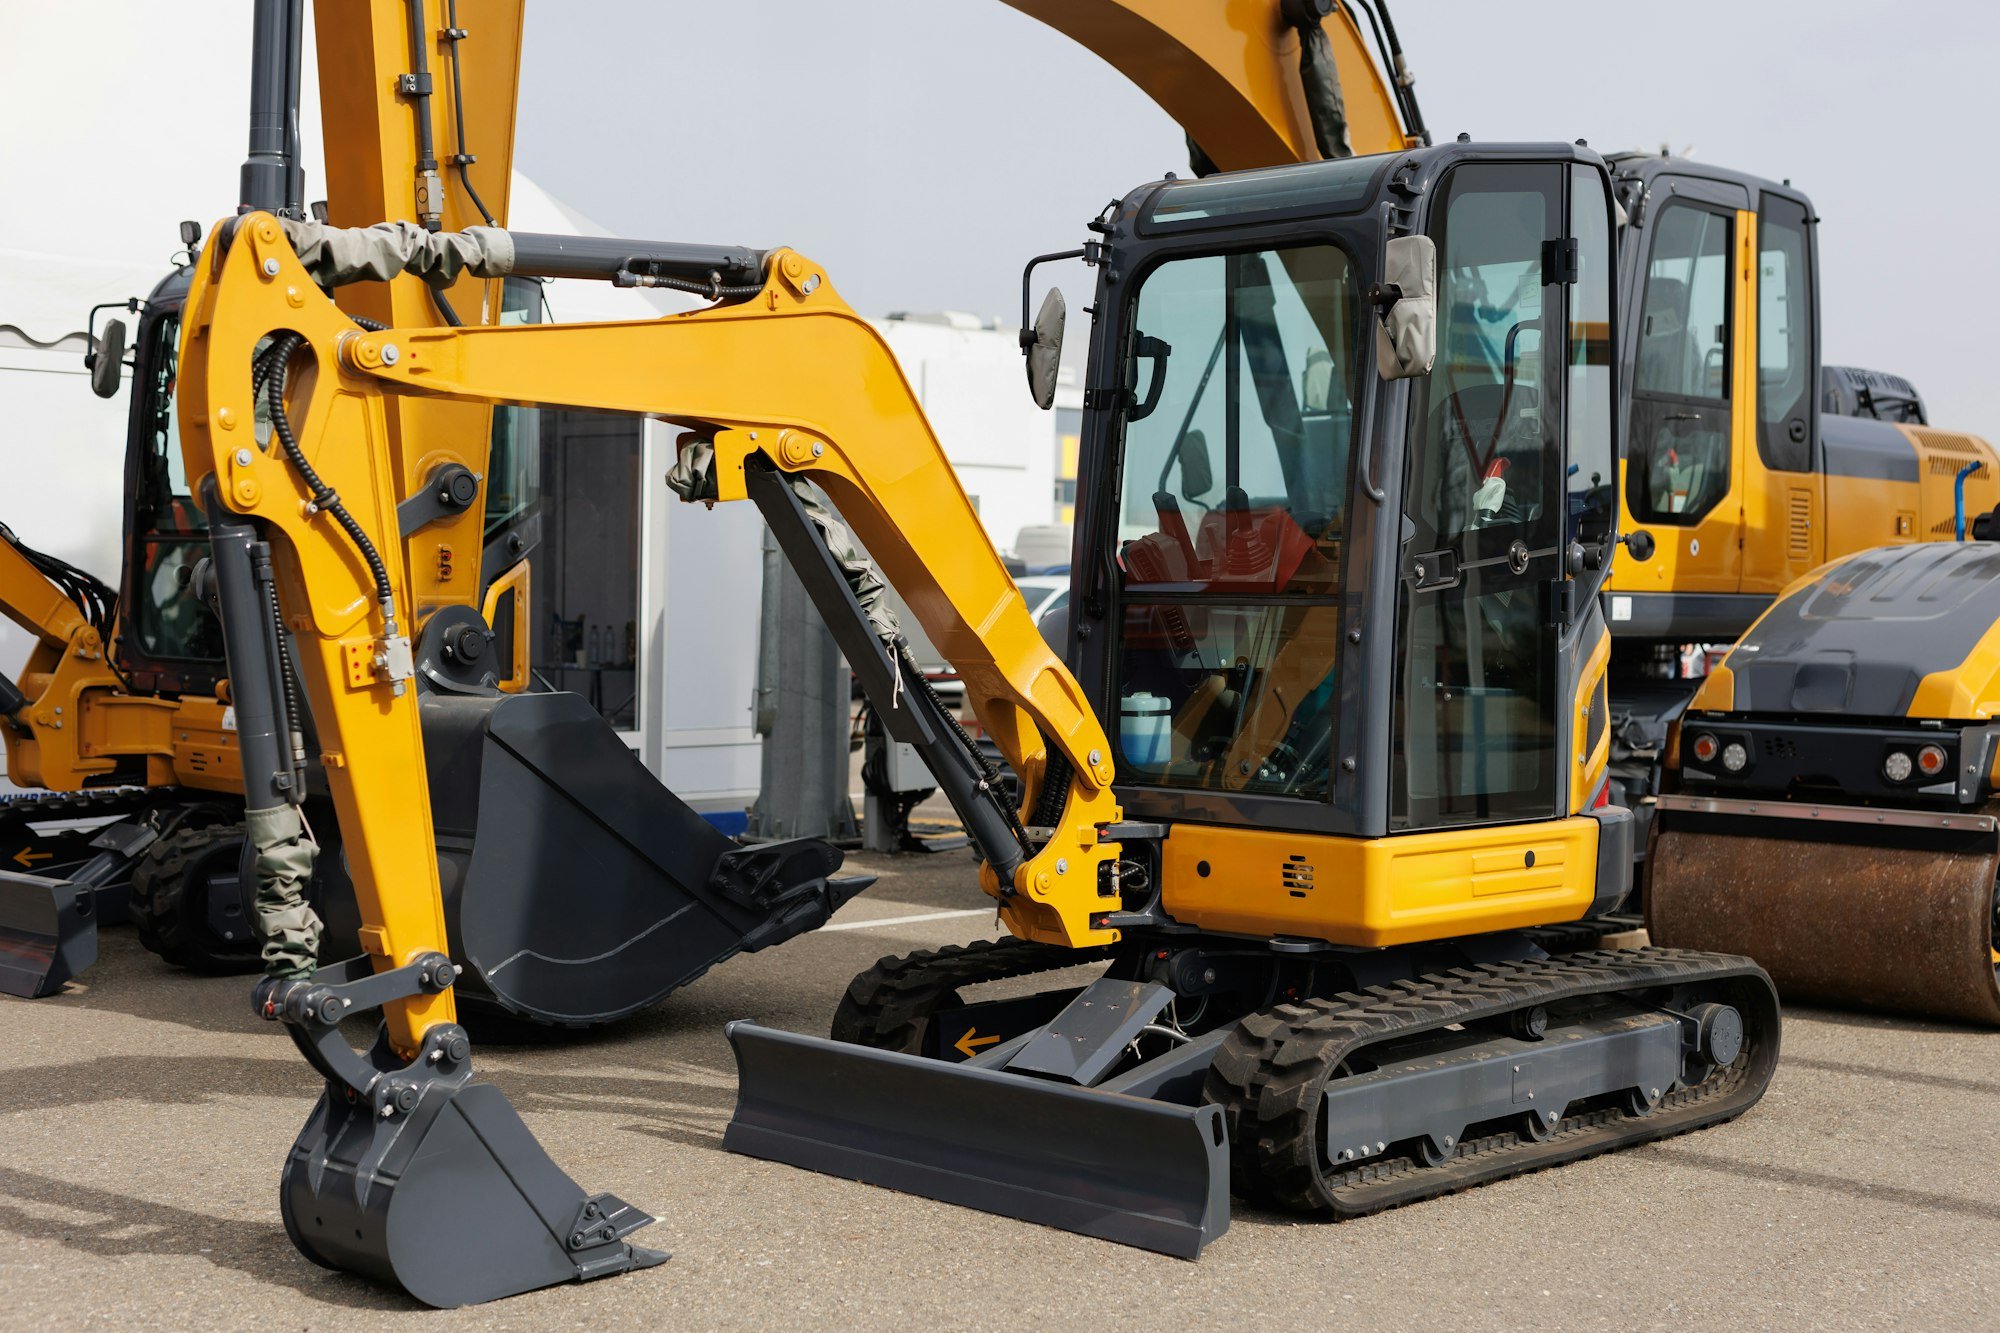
456,1205
1124,1168
1873,909
412,1174
534,792
48,934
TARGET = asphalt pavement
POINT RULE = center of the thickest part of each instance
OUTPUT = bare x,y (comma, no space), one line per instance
144,1115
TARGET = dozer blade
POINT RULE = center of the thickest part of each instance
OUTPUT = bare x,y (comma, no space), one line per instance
578,889
48,934
1128,1169
1864,908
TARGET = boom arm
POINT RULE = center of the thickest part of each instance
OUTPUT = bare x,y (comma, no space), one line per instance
1229,72
789,381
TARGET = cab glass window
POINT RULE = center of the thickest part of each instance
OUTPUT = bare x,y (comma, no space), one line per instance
514,466
1238,423
1785,322
1237,420
1484,506
169,530
1678,445
1592,472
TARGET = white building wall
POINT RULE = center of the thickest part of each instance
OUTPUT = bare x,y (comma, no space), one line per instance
970,379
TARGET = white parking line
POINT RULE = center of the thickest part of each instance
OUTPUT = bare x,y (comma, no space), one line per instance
907,920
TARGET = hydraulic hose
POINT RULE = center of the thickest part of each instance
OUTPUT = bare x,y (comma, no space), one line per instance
1958,496
463,158
417,87
324,499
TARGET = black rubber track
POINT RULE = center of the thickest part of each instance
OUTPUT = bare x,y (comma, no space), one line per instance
1269,1075
889,1006
67,846
172,924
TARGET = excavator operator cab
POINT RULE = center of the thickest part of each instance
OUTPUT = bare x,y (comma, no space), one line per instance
1320,587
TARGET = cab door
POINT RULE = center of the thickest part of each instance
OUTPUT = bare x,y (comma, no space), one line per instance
1683,441
1484,505
1785,497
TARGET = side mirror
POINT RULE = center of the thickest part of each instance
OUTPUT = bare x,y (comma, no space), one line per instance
1639,543
1197,477
1042,345
1406,300
106,360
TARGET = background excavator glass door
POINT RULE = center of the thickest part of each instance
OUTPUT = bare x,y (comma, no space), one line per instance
1484,510
1680,440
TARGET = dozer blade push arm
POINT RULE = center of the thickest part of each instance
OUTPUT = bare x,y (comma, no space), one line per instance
783,378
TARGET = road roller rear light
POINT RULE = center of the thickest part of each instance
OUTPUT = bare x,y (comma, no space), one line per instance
1898,766
1931,760
1706,747
1735,757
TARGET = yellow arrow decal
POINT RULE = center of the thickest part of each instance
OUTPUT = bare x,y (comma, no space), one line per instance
969,1044
24,856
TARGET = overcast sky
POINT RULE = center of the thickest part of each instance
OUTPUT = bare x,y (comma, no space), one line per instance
923,149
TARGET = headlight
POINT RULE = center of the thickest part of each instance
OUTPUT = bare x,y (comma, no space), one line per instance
1898,766
1705,747
1931,760
1734,756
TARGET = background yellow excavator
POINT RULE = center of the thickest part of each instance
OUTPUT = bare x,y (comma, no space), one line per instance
126,693
1322,782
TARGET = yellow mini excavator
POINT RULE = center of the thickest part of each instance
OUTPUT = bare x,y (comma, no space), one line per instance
1321,786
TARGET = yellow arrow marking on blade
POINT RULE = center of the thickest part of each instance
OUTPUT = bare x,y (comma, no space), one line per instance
969,1044
24,856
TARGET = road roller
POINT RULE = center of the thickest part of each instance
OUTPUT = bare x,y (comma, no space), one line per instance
1830,803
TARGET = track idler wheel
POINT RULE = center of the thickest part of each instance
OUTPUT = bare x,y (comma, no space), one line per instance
413,1175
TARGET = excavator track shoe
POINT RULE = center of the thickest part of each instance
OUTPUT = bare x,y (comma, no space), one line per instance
1346,1106
1894,917
48,934
1128,1169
